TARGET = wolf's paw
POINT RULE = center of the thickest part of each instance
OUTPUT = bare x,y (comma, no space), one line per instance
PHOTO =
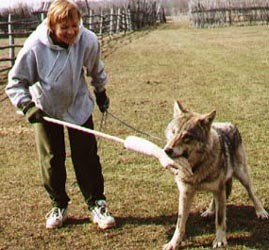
207,214
220,243
169,246
262,214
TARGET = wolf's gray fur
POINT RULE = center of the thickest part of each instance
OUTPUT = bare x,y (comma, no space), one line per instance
216,153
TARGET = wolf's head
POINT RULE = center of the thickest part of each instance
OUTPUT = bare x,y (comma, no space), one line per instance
188,134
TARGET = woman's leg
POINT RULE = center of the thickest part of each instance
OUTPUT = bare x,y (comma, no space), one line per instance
51,152
87,164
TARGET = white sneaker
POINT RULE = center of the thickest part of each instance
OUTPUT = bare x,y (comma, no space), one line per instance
101,216
56,217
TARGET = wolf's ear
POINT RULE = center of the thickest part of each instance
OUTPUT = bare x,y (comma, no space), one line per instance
178,109
207,119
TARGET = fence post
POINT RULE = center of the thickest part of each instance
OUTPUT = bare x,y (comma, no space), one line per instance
42,16
91,19
118,21
125,16
122,20
111,22
101,23
11,41
129,20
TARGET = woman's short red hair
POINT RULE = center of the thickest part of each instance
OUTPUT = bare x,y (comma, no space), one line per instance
61,10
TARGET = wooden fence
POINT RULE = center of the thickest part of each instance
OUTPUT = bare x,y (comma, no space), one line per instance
11,34
202,18
104,23
115,21
108,23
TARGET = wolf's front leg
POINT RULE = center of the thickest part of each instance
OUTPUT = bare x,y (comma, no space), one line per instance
210,211
220,219
186,194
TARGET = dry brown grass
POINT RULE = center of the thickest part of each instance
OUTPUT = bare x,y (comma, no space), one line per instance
224,69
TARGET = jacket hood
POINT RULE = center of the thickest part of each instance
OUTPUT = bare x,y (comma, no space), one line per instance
42,33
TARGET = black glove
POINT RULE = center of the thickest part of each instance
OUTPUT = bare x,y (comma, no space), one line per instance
102,100
32,113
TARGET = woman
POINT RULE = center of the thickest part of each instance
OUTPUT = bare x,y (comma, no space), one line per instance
48,79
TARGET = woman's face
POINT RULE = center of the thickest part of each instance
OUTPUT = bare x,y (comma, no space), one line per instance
66,31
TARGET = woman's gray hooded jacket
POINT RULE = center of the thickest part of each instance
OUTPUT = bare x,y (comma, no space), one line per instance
54,77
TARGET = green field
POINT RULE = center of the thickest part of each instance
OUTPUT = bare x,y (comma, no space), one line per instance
224,69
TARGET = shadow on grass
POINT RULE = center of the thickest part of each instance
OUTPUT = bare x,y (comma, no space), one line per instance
77,221
243,228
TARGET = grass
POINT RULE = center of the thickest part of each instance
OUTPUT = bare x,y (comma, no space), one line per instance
224,69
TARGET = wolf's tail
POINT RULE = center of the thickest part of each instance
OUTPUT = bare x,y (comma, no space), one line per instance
229,185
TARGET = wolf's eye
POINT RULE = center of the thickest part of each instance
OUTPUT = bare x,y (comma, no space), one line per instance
174,131
187,138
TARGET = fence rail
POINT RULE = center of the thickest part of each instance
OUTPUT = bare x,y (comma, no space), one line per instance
103,23
202,17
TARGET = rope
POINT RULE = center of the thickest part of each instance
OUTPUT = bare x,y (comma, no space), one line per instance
102,126
133,128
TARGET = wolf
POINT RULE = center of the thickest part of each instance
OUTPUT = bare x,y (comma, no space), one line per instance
215,153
